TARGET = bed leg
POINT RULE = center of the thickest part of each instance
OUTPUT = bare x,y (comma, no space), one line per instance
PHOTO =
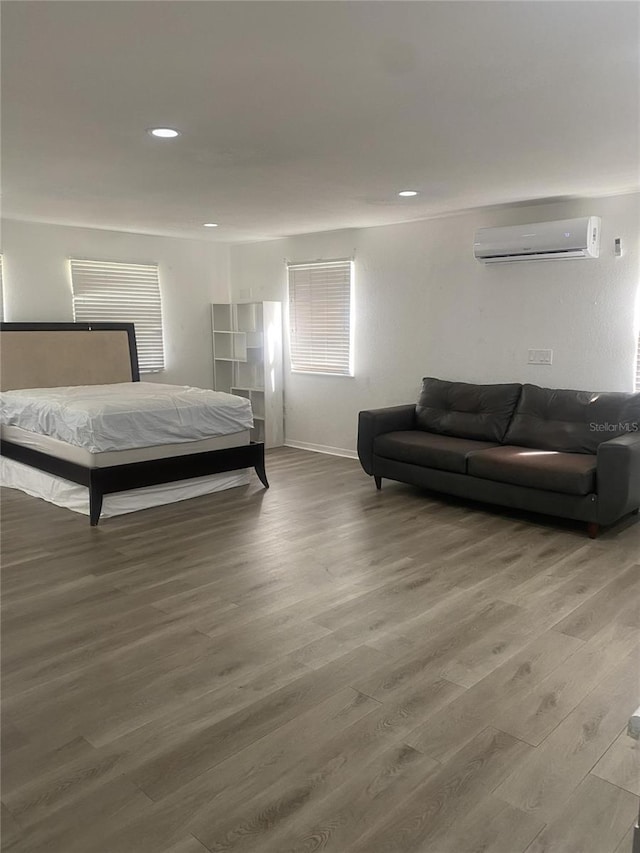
262,474
95,505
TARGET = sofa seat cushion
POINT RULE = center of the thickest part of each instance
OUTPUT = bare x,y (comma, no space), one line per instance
464,410
568,473
428,449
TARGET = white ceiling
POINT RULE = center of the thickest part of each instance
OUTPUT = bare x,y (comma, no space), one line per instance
309,116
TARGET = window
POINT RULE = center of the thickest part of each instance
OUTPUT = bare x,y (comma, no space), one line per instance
124,293
638,365
320,317
1,293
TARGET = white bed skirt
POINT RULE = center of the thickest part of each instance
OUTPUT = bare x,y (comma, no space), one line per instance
55,490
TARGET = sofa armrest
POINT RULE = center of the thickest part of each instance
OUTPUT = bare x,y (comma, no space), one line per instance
618,476
378,421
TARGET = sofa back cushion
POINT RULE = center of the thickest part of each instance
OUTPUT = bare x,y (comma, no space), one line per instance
571,421
464,410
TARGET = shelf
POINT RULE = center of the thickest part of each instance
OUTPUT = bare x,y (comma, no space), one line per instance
222,317
248,316
249,374
247,361
230,345
223,375
257,404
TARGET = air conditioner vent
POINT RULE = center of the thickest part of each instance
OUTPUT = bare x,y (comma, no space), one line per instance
563,239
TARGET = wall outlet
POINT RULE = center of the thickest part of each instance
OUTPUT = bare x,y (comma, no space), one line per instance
540,356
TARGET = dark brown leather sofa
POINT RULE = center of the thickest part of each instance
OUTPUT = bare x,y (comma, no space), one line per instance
574,454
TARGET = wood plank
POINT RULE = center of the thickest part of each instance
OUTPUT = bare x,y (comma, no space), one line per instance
251,769
12,737
594,820
265,814
425,817
208,747
187,845
480,706
534,716
35,760
437,649
10,831
491,826
626,845
83,769
493,648
332,822
67,830
620,764
556,593
603,607
134,646
545,780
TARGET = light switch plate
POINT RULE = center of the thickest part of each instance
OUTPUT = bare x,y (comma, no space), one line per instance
540,356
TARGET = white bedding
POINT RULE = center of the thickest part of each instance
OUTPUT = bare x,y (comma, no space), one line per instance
62,493
125,415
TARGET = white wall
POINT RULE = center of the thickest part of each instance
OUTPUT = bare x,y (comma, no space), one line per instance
192,275
424,306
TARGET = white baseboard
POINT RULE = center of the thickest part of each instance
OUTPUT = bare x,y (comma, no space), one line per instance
321,448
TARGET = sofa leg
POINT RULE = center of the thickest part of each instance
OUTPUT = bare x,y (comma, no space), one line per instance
593,529
635,511
378,481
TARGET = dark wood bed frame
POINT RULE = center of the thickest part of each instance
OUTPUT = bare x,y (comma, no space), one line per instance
135,475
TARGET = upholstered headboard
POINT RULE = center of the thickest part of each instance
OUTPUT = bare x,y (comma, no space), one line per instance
50,355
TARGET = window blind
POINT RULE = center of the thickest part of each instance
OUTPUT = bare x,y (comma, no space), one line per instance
320,317
124,293
638,365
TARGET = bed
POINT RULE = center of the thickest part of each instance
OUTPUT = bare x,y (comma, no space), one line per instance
73,388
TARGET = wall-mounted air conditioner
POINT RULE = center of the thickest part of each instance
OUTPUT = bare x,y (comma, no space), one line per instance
541,241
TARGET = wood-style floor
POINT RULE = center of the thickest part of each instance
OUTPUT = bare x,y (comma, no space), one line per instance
319,667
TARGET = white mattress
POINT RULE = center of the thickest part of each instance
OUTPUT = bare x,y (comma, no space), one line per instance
81,456
126,415
55,490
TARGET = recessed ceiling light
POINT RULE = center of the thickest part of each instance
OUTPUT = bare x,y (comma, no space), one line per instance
164,132
407,193
210,224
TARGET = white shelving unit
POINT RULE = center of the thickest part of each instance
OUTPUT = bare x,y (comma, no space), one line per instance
247,361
